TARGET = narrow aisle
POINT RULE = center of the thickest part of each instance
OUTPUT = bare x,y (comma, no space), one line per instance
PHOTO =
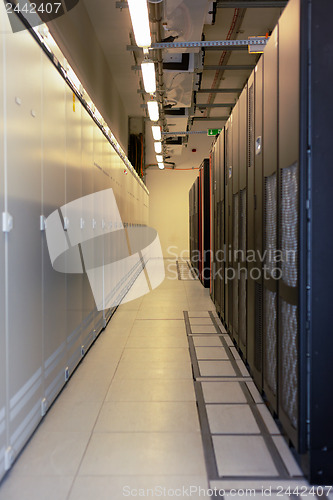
162,403
128,416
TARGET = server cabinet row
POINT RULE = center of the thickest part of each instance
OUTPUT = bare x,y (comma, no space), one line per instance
53,154
260,231
199,210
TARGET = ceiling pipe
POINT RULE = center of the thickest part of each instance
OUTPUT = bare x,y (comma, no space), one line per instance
155,17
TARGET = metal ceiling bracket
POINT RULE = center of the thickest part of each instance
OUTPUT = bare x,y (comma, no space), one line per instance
260,41
186,132
219,91
221,105
234,4
228,67
246,4
210,118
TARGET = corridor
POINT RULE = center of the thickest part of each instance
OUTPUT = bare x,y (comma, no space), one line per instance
162,406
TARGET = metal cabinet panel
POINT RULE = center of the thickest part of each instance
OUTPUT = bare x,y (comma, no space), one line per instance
242,287
220,257
228,224
99,185
73,192
235,220
53,194
250,220
289,112
213,219
24,255
270,218
258,226
87,164
3,408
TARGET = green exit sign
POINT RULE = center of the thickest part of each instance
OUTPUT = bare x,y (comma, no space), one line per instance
214,131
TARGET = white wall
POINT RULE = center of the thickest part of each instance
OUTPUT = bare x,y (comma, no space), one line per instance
169,207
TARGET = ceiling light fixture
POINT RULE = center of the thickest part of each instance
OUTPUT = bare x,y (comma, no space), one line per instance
156,130
148,75
161,166
153,111
158,147
159,158
140,22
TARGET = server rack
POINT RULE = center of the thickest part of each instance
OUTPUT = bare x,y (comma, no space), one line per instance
257,277
289,204
291,379
204,223
234,223
228,224
250,316
243,201
214,188
219,251
270,230
221,256
194,226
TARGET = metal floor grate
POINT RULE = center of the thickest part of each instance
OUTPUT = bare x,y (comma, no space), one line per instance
185,271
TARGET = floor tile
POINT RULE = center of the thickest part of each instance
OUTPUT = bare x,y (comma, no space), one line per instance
160,370
242,368
203,329
144,454
201,321
268,419
235,353
209,340
231,419
155,355
156,327
211,353
228,340
198,314
151,390
52,454
287,457
148,417
223,392
216,368
16,487
71,416
110,487
160,314
243,456
157,341
254,392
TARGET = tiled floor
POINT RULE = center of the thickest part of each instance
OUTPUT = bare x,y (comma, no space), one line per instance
161,405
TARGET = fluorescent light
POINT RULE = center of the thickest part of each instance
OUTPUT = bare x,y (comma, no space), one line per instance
153,111
73,78
140,22
159,158
158,147
161,166
148,75
156,129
